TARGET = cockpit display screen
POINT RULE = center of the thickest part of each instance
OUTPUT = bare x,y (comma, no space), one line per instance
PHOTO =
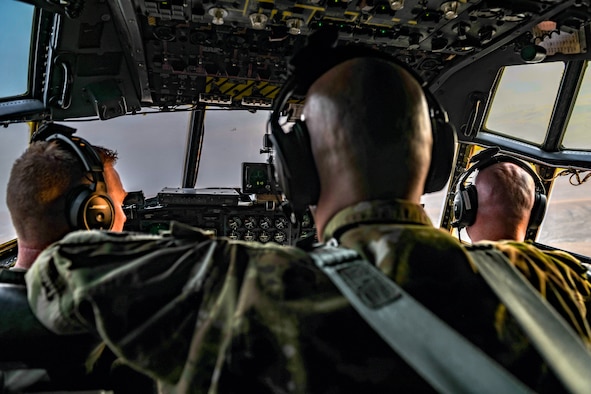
257,178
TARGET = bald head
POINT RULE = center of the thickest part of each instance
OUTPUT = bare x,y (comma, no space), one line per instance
370,134
506,194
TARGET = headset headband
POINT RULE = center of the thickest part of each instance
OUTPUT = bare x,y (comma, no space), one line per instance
491,156
88,156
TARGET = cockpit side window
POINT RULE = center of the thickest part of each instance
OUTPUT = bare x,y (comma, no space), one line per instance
522,104
566,222
577,131
13,142
15,43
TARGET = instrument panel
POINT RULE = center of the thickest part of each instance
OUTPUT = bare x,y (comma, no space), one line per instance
262,222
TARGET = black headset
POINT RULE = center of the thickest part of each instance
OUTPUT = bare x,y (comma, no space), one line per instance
466,197
87,206
295,167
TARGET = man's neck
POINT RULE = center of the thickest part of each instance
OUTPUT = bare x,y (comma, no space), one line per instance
26,256
496,233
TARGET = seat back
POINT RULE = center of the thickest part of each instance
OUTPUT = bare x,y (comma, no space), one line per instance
34,359
23,338
28,348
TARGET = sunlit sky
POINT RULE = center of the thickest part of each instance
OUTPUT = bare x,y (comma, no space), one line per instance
152,147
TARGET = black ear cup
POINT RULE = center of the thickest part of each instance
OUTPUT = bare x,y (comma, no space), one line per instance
444,147
538,211
90,210
465,206
295,167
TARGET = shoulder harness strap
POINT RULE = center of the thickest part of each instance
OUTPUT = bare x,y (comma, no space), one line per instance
562,349
444,358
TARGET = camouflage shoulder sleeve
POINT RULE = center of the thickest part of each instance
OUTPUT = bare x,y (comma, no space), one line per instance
57,279
141,294
559,277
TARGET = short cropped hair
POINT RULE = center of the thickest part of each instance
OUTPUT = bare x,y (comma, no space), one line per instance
40,181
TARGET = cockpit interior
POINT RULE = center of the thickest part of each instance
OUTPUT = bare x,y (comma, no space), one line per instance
193,75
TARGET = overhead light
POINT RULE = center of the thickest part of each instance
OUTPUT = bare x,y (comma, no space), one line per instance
294,25
396,5
450,9
218,14
258,21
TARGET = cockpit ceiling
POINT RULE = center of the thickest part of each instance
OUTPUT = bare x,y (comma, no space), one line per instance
235,51
122,55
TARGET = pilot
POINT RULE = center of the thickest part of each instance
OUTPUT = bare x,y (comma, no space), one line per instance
505,201
207,314
39,193
44,184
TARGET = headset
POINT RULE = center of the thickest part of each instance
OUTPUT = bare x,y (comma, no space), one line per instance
295,167
87,206
465,202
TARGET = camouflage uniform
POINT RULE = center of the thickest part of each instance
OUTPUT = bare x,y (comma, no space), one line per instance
214,315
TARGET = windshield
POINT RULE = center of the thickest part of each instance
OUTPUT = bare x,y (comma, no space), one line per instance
230,138
151,148
569,211
577,131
